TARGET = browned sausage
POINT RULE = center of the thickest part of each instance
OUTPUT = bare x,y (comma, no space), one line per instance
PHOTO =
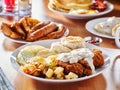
42,32
57,34
39,25
44,38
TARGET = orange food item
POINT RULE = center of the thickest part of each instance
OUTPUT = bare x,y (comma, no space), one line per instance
57,34
42,32
30,29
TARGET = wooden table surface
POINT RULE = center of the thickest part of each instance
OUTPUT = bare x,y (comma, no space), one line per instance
105,81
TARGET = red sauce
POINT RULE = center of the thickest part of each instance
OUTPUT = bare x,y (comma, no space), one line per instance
92,41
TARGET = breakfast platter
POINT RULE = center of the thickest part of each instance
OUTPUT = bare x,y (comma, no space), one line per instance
66,44
28,30
81,14
20,55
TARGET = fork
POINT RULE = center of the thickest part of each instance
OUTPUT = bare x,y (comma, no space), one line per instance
4,82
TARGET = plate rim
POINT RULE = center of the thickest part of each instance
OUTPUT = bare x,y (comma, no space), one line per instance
14,62
90,27
79,16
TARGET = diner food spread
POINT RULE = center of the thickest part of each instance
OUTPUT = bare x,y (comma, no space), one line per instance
78,6
30,29
49,63
53,58
109,26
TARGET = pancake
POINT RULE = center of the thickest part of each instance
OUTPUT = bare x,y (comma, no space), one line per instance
72,4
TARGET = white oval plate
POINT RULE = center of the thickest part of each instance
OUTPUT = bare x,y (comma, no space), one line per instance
84,16
91,24
47,43
25,42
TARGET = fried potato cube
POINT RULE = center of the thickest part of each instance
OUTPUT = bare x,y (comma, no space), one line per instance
71,75
41,67
36,72
28,68
59,73
49,73
60,76
58,70
52,61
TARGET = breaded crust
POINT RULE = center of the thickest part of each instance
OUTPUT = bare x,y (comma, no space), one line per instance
75,67
82,68
98,59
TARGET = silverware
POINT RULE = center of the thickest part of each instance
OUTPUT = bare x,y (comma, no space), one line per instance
4,82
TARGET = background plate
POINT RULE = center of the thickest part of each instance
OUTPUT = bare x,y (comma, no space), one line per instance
84,16
91,24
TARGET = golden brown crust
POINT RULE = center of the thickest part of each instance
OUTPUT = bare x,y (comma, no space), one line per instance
41,32
6,29
98,59
30,29
24,24
31,21
75,67
44,38
82,67
86,68
57,34
39,25
17,28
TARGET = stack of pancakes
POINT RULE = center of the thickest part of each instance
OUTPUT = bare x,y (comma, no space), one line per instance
67,5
